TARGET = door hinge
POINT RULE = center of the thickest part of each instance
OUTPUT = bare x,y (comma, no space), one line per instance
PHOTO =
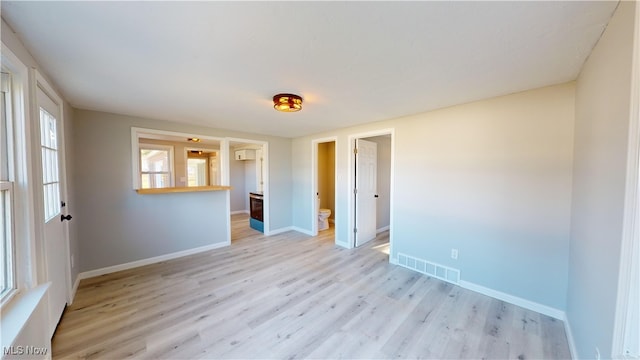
355,230
355,150
355,191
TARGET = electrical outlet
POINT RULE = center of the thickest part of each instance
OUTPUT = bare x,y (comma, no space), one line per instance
454,254
597,353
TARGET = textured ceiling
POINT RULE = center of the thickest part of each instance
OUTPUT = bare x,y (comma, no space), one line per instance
219,63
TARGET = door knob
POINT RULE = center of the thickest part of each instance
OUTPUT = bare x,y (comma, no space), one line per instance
376,195
63,218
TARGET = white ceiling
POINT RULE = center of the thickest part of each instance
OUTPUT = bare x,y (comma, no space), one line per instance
219,63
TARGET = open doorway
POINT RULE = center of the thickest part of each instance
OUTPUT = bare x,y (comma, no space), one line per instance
202,166
248,178
371,180
324,187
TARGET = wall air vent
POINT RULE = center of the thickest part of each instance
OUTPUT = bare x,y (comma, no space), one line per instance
429,268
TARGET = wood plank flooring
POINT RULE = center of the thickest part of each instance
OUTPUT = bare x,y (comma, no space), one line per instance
293,296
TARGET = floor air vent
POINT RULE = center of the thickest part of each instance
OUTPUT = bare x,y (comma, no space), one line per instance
428,268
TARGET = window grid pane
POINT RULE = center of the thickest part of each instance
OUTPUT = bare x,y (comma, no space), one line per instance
50,171
155,168
4,140
6,248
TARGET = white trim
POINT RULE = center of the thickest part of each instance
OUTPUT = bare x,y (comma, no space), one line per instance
240,212
148,261
343,244
301,230
280,231
382,229
350,181
24,218
569,333
75,289
527,304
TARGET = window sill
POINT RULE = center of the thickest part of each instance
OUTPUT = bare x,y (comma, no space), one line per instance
17,312
183,189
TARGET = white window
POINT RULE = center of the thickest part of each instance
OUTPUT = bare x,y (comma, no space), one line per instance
7,244
156,166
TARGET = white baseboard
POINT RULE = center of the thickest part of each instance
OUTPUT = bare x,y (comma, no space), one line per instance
153,260
384,228
240,212
344,244
393,261
75,288
301,230
279,231
572,344
527,304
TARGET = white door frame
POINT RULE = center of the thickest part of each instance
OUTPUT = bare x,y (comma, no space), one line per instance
226,151
314,183
39,82
350,181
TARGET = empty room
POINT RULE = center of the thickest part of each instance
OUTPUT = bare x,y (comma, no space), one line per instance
320,180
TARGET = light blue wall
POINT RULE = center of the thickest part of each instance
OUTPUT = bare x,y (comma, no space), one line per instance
116,225
491,178
601,139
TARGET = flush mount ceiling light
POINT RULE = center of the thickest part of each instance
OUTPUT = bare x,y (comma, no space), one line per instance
287,102
196,140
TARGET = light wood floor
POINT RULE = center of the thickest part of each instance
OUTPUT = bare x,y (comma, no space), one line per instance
294,296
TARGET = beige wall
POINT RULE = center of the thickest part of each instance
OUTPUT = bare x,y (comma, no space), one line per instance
601,143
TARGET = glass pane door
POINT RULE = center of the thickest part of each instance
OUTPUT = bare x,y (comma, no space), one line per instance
50,173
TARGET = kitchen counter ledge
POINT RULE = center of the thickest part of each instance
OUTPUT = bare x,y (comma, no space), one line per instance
183,189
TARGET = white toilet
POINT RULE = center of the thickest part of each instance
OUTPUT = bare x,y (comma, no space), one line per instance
323,216
323,219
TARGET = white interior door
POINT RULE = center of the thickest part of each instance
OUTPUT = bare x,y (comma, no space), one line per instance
365,191
55,243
